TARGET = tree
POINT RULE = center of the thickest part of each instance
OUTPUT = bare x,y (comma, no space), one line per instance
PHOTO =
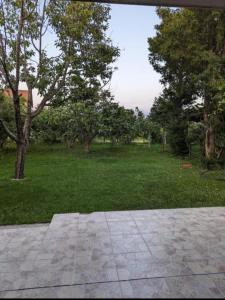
194,135
146,128
140,123
83,122
24,58
122,127
152,130
92,59
108,119
48,126
91,70
188,51
218,119
168,111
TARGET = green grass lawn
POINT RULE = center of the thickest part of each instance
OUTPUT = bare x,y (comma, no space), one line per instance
60,180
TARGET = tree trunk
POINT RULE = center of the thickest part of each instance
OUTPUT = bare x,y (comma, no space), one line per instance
70,144
2,143
149,139
209,138
209,143
164,139
22,146
20,160
189,150
87,144
220,153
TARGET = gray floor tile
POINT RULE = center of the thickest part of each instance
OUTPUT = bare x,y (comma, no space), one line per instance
98,290
94,217
30,294
62,231
207,266
93,228
146,226
193,287
103,290
120,227
55,265
154,253
26,280
146,288
123,243
65,218
97,245
16,266
57,249
144,265
118,216
144,214
219,281
96,268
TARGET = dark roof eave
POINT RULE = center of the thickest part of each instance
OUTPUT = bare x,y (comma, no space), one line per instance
219,4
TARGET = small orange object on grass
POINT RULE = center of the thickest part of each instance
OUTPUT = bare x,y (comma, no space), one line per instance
186,166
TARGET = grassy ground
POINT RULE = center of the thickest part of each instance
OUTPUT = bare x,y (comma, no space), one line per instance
109,178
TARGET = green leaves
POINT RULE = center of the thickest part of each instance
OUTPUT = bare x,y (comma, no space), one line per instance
188,51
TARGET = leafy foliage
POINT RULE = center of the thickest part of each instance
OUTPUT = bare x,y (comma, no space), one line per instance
188,51
6,113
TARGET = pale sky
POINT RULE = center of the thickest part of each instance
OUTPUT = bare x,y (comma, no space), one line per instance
135,83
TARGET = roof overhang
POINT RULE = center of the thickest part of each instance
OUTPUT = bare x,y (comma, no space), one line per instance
220,4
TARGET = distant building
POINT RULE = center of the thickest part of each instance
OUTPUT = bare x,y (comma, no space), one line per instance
22,93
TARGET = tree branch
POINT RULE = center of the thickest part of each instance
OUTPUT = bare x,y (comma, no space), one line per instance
4,26
4,71
18,45
39,48
8,132
52,92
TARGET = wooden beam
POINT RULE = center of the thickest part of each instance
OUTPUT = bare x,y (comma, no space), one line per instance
219,4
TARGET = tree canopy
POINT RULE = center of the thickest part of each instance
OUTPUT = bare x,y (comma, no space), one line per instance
188,51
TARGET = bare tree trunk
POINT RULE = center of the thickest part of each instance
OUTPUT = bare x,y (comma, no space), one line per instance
149,139
209,142
164,139
2,143
20,160
70,144
22,146
87,144
189,150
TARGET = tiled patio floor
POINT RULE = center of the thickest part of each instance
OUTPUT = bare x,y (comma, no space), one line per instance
151,253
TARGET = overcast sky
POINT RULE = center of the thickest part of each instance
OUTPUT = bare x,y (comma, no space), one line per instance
135,83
